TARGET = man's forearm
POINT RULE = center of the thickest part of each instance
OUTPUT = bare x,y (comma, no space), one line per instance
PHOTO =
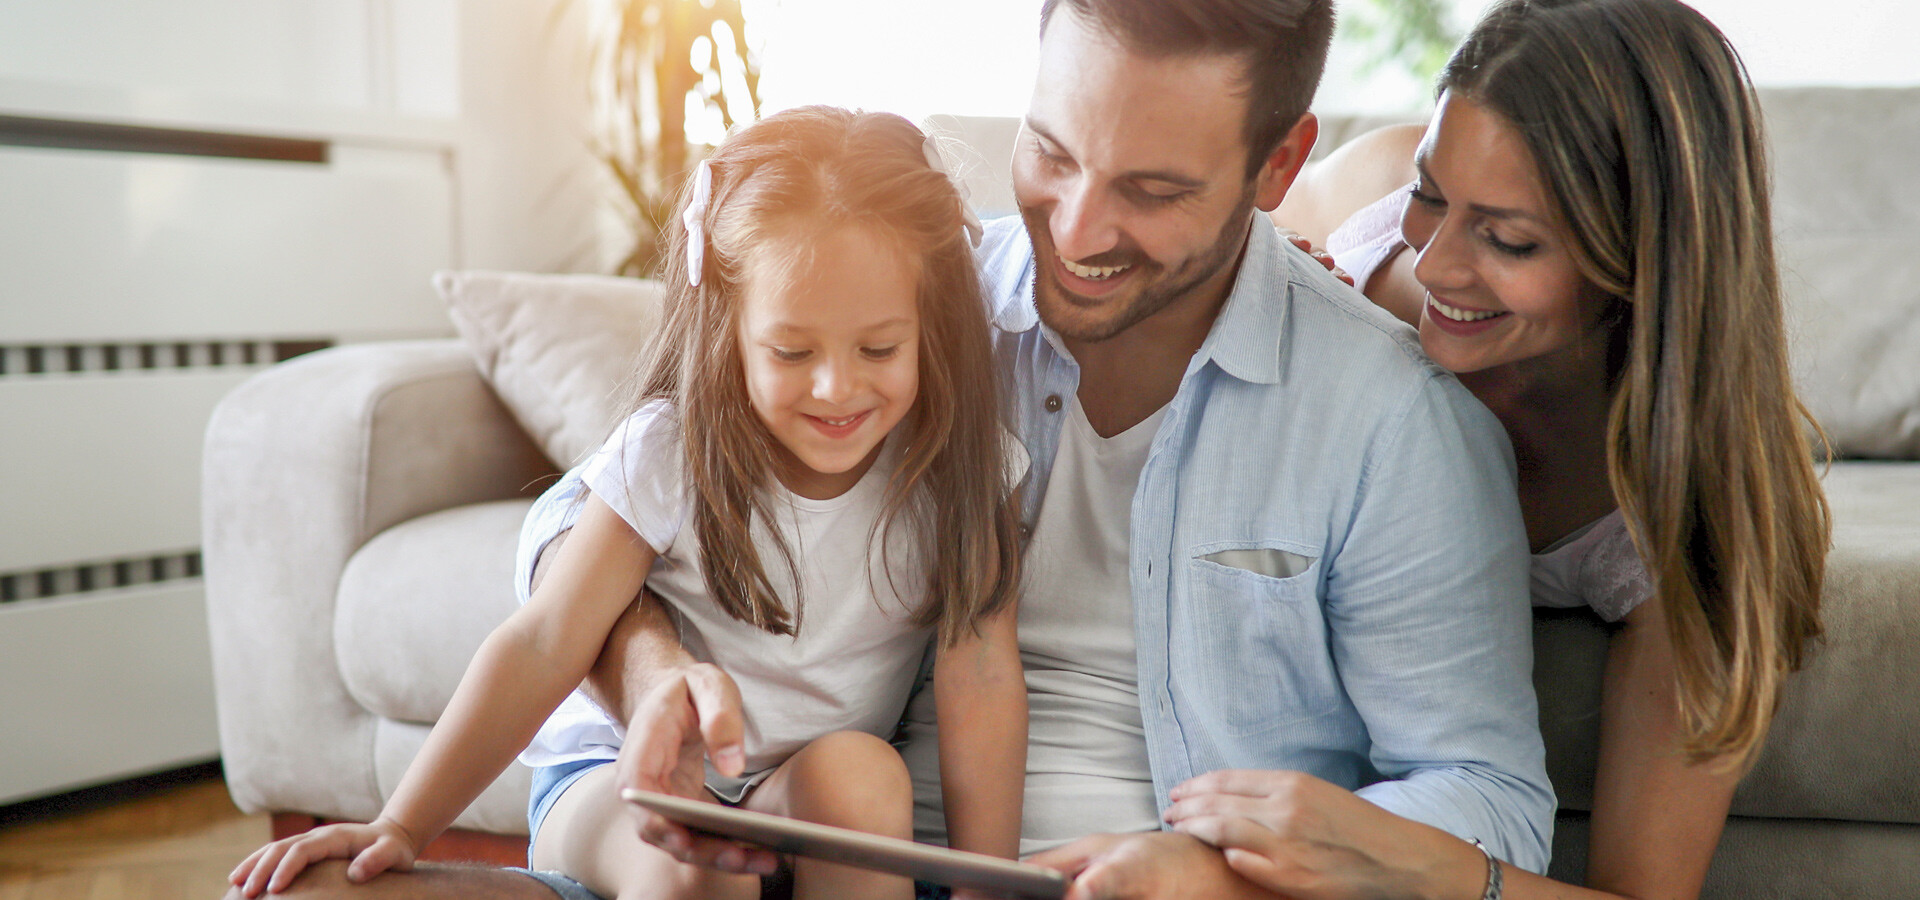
642,645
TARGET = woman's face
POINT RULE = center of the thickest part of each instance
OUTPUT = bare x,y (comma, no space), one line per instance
1494,257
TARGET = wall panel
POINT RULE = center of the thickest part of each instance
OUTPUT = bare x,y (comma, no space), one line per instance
116,246
103,467
97,688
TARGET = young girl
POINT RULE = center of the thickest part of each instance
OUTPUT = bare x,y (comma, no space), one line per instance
815,479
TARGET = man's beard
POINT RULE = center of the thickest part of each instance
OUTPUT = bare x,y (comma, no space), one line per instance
1157,288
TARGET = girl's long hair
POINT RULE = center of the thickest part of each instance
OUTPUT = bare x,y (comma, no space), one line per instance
778,185
1648,135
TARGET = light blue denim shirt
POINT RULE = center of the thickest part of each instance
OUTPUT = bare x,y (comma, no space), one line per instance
1329,567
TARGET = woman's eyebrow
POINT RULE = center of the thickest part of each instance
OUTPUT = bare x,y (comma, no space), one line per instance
1491,212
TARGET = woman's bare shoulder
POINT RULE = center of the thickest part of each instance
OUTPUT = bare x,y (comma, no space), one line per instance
1355,174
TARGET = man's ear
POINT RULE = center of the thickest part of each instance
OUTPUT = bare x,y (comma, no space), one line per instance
1283,164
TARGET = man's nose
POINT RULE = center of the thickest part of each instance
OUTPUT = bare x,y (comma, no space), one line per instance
1083,224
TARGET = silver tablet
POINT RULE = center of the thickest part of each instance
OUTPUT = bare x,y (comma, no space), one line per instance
856,848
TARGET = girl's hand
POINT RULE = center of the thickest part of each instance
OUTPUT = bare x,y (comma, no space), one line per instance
374,848
1297,835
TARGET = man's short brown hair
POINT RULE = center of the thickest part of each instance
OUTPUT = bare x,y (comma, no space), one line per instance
1284,43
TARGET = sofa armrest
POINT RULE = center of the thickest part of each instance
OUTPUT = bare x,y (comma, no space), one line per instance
304,463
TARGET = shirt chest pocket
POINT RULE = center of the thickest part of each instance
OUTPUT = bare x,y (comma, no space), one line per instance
1250,641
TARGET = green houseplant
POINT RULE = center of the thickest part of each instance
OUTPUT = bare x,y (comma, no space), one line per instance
651,62
1413,36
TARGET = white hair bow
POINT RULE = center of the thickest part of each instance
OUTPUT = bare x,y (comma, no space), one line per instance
693,218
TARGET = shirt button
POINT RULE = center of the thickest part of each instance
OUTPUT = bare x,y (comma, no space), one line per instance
1026,531
1053,403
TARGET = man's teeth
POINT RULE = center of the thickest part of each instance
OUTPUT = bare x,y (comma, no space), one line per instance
1093,273
1462,315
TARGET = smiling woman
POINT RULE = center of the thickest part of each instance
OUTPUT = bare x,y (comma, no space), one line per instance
1587,243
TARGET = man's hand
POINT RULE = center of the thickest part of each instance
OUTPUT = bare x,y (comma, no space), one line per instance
690,714
1144,866
1299,836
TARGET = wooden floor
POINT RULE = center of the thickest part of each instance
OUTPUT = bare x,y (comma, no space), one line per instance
177,843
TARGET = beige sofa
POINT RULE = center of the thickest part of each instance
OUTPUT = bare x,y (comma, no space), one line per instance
363,503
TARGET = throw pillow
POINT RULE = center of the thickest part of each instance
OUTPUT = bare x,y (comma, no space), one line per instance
560,350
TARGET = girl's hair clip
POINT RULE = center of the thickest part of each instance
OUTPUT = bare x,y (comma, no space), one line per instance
939,164
694,217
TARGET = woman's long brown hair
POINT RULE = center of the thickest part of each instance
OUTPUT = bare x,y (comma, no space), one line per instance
948,526
1648,135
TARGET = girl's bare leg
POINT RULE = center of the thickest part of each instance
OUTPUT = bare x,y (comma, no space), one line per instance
589,836
852,780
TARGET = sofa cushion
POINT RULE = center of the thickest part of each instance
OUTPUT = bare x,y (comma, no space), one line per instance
1847,213
1848,732
561,350
416,601
1843,744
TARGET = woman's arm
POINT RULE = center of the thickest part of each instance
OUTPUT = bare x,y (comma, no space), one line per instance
1656,819
1362,170
1656,816
980,697
521,672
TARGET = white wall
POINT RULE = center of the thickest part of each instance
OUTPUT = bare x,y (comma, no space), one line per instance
1784,42
528,185
977,59
1846,42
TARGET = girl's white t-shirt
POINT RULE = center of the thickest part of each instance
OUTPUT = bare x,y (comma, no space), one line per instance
855,658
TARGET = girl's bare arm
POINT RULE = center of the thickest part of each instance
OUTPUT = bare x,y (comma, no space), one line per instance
980,697
521,672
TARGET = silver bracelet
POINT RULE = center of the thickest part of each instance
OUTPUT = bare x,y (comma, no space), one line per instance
1493,872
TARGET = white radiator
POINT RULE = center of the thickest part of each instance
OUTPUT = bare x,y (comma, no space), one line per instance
148,265
190,191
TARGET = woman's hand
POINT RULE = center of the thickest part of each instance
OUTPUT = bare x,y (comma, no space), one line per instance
1297,835
374,848
1323,257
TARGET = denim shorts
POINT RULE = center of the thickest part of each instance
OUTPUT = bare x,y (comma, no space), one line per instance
549,782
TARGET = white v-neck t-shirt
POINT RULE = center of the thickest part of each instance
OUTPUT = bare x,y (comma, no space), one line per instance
1087,768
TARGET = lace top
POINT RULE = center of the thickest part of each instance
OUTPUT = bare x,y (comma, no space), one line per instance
1595,566
1370,237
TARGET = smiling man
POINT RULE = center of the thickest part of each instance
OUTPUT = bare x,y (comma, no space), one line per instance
1266,533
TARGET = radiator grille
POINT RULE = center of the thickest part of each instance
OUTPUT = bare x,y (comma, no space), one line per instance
64,581
74,359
